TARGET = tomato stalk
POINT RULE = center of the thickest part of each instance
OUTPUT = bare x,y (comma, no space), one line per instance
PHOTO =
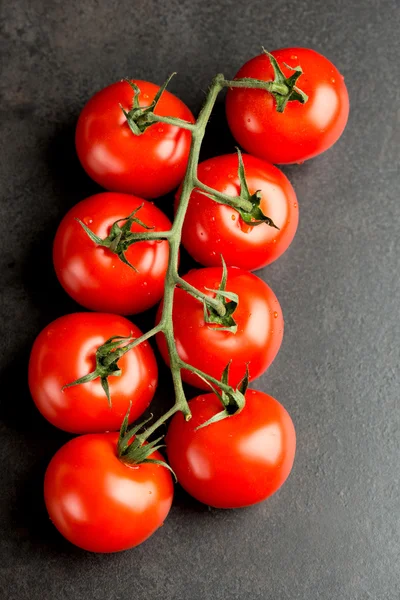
218,309
173,279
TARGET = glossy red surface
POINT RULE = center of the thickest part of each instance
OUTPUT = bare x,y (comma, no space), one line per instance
302,131
235,462
256,342
65,351
148,165
100,504
95,276
212,229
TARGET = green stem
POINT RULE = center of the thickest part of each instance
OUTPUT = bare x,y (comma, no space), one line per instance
147,236
172,279
190,289
152,118
217,382
233,201
268,86
113,356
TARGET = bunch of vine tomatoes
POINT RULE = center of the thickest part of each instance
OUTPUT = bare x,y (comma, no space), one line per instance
95,496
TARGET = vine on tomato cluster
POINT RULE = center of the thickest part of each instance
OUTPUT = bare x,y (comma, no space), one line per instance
219,310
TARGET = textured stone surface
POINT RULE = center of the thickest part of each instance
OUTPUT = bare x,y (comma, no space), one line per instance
332,532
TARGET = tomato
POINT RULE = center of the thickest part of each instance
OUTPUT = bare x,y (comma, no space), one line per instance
256,342
236,462
101,504
148,165
212,229
65,351
95,276
302,130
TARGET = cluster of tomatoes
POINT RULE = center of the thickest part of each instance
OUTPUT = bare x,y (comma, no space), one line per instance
96,499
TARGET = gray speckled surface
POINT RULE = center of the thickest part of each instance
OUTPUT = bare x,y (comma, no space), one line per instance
332,532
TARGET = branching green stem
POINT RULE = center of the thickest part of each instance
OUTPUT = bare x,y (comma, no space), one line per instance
139,119
173,279
190,289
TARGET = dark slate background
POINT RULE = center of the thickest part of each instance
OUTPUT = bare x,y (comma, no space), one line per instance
332,532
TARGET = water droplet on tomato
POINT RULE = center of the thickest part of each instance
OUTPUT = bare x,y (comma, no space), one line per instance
159,241
295,205
275,315
207,168
160,129
144,282
145,96
333,80
212,218
249,120
293,57
300,162
274,241
233,217
230,176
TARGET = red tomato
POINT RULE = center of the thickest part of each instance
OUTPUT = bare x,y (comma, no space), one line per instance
95,276
256,342
302,130
212,229
65,351
101,504
235,462
148,165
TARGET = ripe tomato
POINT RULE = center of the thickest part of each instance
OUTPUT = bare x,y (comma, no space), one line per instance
235,462
148,165
302,130
95,276
256,342
101,504
212,229
65,351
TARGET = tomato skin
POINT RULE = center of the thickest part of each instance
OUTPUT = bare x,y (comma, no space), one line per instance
212,229
65,351
95,276
256,342
302,131
100,504
148,165
236,462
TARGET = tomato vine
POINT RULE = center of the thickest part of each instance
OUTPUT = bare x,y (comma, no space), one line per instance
220,308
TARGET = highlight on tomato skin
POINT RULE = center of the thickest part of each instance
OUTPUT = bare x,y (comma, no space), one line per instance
259,328
101,504
96,277
237,462
147,165
212,229
302,131
65,350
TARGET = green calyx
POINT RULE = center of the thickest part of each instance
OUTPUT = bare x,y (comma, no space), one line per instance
107,357
137,116
233,400
292,93
246,204
120,237
131,448
228,300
